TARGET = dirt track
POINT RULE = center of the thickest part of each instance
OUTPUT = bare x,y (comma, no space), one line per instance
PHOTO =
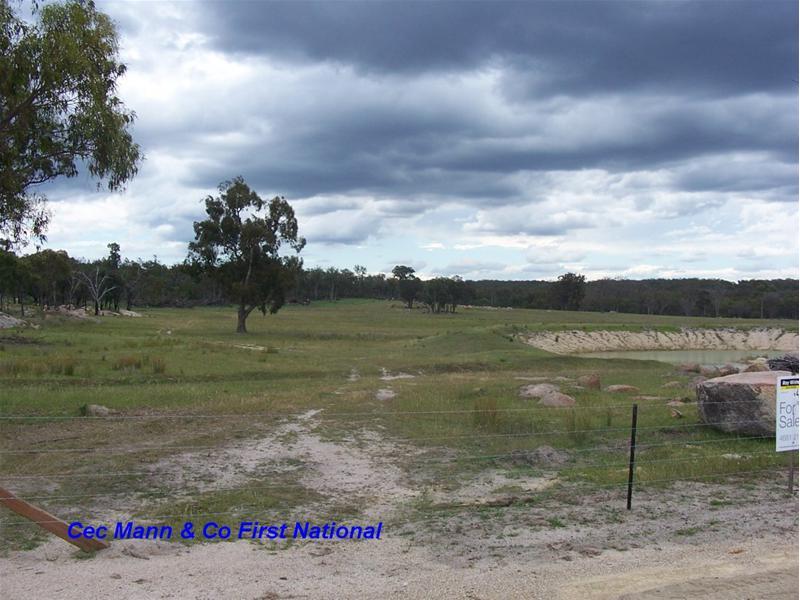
755,569
577,543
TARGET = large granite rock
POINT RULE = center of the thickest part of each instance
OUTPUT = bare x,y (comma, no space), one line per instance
743,403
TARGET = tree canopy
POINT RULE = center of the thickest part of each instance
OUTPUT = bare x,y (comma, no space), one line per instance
58,109
243,250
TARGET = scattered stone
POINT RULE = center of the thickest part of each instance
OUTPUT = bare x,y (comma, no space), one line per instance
96,410
732,456
354,375
554,399
7,321
675,402
647,398
673,385
387,376
622,389
590,381
135,554
130,313
590,551
743,403
546,456
689,368
676,414
385,394
537,390
728,370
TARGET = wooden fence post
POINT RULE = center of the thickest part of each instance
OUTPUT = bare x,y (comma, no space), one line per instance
47,521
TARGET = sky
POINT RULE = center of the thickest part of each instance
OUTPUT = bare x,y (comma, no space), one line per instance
493,140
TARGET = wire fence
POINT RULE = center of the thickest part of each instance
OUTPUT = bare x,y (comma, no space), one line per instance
595,457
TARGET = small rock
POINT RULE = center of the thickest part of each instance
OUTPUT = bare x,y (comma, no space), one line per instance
385,394
728,370
590,381
537,390
541,456
676,414
709,371
689,368
673,385
622,389
675,402
96,410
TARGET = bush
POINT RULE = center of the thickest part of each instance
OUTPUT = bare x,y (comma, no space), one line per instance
158,365
127,363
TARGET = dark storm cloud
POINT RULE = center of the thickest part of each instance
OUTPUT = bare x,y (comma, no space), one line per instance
567,86
563,47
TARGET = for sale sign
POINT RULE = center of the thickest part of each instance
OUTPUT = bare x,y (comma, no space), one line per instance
787,417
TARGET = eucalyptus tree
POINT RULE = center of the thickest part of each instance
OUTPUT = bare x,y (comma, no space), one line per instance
59,108
243,245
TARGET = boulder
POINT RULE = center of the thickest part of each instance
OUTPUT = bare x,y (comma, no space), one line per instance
590,381
710,371
622,389
697,381
787,362
7,321
728,370
743,403
557,399
756,367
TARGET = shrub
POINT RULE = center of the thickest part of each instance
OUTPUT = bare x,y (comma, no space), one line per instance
127,363
158,365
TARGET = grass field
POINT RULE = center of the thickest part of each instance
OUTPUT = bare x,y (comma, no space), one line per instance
182,383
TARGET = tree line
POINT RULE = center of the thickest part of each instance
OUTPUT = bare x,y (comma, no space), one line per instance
50,278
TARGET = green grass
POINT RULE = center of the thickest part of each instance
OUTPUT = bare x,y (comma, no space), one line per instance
462,408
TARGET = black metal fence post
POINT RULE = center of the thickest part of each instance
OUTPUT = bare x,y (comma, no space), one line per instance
634,414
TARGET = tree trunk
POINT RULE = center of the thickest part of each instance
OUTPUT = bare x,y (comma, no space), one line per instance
241,319
96,308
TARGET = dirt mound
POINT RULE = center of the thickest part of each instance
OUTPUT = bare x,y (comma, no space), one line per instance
569,342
